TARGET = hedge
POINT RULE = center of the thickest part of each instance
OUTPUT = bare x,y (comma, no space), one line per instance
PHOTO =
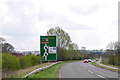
35,59
25,61
112,60
11,62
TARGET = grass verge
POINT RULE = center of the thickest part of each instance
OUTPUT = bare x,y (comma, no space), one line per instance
51,72
22,72
111,65
94,63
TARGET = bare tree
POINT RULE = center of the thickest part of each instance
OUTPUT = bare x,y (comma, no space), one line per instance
5,47
2,40
112,54
63,39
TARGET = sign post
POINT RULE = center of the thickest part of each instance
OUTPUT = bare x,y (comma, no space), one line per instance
48,49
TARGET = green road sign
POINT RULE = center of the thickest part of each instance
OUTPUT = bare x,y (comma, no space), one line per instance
48,50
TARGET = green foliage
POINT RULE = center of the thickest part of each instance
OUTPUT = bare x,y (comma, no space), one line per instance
94,63
105,60
29,60
66,50
0,62
68,55
117,59
12,63
35,59
51,72
112,55
63,39
25,61
112,59
9,62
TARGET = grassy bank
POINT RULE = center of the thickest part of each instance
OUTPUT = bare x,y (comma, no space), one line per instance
111,65
22,72
94,63
51,72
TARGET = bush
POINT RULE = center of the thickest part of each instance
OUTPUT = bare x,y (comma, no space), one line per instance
25,61
115,60
9,62
12,63
64,54
28,61
0,62
35,59
112,60
105,60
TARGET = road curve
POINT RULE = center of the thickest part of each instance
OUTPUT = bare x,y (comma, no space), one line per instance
85,70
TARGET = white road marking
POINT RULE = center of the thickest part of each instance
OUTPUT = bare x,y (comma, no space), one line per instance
91,66
85,68
90,71
100,76
60,74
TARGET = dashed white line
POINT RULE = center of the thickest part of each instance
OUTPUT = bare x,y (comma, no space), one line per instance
100,76
91,65
60,74
90,71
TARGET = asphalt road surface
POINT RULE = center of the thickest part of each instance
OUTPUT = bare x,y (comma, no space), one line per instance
85,70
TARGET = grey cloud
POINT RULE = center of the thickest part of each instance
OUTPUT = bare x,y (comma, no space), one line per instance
75,26
80,27
18,29
79,9
18,8
64,21
115,23
47,15
21,28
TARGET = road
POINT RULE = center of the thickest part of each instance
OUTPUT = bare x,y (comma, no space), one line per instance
85,70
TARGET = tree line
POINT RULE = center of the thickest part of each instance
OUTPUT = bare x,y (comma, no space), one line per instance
112,54
66,49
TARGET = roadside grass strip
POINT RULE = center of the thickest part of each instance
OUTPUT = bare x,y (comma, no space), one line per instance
94,63
40,69
22,72
52,72
110,65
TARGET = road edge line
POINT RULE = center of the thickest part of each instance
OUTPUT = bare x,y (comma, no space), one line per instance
100,76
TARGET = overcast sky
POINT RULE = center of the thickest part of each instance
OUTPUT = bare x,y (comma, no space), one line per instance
90,23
